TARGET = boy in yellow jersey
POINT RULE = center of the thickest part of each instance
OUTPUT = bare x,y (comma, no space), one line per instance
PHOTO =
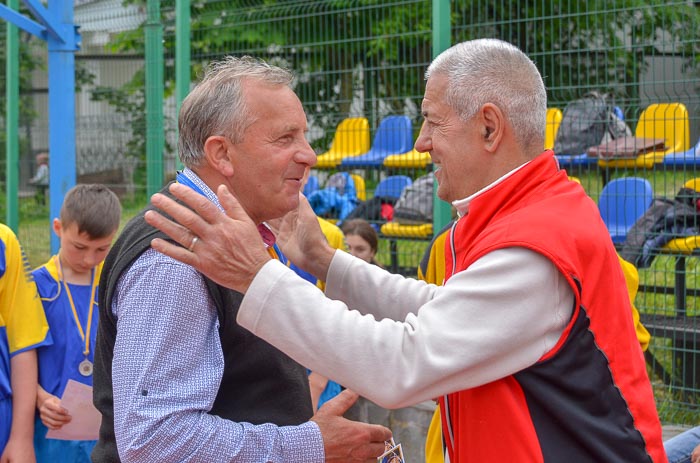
22,329
67,284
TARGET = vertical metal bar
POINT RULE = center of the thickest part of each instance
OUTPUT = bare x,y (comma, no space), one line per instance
442,28
155,139
12,121
62,166
679,291
182,52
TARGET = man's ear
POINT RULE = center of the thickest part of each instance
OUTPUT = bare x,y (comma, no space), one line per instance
217,151
493,126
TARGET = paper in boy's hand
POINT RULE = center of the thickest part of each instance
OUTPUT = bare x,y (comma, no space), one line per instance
85,422
392,455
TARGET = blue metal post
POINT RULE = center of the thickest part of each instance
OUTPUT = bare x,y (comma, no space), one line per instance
56,27
61,111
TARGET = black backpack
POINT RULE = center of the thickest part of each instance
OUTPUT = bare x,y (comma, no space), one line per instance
588,122
665,220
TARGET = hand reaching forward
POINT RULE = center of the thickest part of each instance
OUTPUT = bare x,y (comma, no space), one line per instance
227,248
345,440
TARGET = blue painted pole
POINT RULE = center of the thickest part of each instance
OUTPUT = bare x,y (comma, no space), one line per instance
61,109
55,25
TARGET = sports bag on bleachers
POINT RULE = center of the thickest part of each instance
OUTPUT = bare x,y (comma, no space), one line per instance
415,205
588,122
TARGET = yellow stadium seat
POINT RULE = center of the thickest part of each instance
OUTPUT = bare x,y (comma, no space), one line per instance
360,188
693,184
351,139
397,230
659,120
412,159
554,116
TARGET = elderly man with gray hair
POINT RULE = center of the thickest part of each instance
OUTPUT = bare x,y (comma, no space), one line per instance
177,379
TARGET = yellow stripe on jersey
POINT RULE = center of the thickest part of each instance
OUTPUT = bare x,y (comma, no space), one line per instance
21,311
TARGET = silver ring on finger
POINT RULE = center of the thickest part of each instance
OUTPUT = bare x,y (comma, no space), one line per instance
194,241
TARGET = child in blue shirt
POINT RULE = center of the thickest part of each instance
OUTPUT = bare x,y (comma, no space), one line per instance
67,284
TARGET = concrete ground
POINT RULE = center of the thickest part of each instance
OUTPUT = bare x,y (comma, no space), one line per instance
671,430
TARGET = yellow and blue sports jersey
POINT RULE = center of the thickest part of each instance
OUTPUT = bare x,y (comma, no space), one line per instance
632,281
60,362
432,265
334,236
22,322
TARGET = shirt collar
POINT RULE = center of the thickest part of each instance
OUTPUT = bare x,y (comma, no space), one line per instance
266,233
462,205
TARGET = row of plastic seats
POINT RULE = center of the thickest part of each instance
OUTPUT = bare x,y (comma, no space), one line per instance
389,187
659,120
624,200
392,145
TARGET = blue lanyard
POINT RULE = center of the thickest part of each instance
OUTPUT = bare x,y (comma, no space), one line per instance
185,180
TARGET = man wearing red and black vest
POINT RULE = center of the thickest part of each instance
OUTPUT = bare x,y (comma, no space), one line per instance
530,343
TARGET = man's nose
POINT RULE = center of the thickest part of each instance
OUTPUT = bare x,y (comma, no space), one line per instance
423,143
307,155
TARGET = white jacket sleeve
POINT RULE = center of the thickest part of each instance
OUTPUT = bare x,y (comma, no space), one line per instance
408,341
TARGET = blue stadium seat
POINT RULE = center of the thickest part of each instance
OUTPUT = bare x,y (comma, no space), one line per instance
688,158
392,186
394,136
622,202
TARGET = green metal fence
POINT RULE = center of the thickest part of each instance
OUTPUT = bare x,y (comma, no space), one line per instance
366,58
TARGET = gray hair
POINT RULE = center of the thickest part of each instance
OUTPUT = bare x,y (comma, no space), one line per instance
217,106
493,71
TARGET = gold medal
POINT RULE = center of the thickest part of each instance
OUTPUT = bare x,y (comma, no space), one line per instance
85,368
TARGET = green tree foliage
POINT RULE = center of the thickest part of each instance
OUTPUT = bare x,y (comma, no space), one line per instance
369,56
592,44
29,61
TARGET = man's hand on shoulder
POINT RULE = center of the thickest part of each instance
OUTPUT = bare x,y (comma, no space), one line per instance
225,247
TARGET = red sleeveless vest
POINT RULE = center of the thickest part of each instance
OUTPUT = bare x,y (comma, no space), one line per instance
587,400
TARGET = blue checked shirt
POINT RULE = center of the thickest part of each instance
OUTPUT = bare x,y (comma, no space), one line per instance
167,369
